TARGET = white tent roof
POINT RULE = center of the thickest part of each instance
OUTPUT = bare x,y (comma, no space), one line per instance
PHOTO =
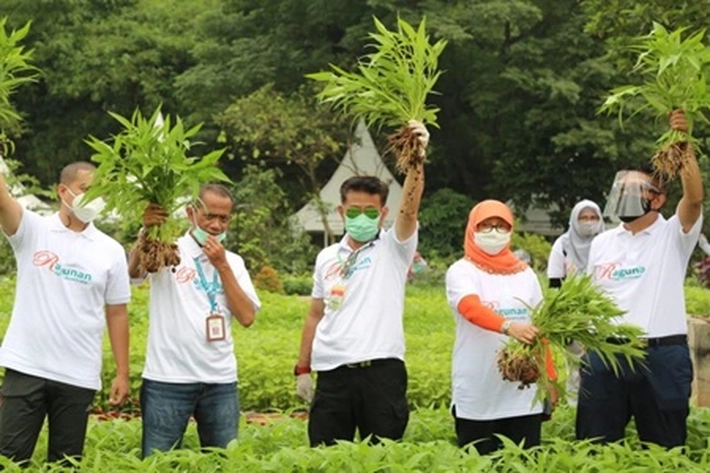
362,159
18,191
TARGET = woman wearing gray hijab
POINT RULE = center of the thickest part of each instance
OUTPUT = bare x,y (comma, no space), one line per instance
569,256
571,250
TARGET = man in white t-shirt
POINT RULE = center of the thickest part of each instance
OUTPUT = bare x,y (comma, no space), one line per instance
72,282
190,368
642,264
353,334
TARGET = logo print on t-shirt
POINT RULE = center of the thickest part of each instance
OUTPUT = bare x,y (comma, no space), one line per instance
51,261
186,275
507,312
617,272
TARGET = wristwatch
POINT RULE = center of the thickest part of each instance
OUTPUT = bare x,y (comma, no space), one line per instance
299,370
505,327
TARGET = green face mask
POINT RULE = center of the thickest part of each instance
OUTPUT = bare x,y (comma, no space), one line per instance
361,228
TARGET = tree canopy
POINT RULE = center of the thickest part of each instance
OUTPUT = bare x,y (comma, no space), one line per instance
522,83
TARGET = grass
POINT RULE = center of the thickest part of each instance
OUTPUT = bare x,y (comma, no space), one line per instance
266,354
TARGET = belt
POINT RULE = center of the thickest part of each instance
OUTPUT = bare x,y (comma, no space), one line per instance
367,363
654,341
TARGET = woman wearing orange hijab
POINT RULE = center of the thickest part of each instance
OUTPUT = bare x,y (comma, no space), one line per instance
489,291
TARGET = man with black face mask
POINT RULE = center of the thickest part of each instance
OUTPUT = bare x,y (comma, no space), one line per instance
641,265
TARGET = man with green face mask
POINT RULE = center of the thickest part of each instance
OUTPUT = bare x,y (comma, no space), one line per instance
353,335
190,368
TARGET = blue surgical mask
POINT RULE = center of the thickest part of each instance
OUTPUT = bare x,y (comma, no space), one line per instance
201,235
362,228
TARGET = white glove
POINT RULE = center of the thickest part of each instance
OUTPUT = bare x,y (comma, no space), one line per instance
304,387
420,130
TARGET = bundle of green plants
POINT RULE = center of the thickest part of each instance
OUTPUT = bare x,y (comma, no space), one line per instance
672,74
390,85
150,162
15,70
578,311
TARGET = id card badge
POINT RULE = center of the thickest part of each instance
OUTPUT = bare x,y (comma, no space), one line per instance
337,296
215,328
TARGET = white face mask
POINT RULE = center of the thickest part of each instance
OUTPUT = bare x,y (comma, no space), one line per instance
588,229
492,242
87,212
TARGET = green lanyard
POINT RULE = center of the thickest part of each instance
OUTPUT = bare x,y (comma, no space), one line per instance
348,266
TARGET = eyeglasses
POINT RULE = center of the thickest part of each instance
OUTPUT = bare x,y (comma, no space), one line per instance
488,228
370,212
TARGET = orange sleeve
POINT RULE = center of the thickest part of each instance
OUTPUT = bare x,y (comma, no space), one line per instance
549,361
471,309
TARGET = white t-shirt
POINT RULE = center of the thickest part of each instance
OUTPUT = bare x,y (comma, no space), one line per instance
178,350
644,273
559,265
64,280
368,324
479,391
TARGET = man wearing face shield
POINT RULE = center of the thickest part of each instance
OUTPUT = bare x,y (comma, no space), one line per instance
72,282
641,265
190,368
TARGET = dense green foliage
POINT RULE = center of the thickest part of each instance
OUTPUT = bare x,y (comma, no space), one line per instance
521,85
266,353
15,70
428,446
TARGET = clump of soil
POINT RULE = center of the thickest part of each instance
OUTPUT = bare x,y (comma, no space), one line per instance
518,367
406,146
670,161
154,255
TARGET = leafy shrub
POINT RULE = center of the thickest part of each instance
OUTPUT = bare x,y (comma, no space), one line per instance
261,230
443,219
298,285
435,273
267,279
536,246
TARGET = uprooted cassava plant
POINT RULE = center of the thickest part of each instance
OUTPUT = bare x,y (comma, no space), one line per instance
672,72
149,163
390,86
578,311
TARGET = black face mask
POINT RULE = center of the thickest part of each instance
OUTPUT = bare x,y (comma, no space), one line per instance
646,204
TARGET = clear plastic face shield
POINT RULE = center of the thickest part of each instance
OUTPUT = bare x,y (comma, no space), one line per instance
630,196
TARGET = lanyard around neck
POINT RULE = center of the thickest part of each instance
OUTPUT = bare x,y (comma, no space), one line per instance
210,289
347,267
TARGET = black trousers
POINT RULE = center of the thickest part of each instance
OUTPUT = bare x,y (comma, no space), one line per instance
371,399
483,432
656,393
24,403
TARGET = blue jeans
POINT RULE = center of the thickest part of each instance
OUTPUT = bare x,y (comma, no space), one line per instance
167,408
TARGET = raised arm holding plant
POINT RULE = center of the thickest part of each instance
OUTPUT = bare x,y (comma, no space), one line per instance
674,76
